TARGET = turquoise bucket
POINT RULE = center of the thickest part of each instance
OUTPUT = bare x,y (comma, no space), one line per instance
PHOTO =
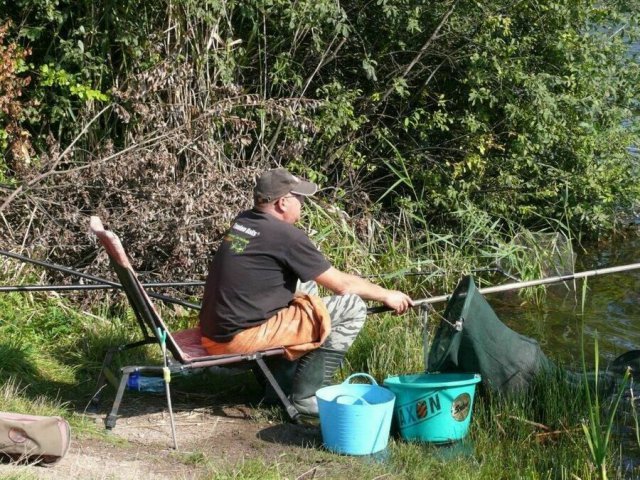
355,418
433,407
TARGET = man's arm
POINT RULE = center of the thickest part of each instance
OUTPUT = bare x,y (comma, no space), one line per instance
342,283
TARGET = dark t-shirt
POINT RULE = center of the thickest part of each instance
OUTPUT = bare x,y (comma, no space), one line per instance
254,273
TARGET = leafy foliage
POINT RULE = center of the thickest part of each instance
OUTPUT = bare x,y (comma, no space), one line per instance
15,141
418,114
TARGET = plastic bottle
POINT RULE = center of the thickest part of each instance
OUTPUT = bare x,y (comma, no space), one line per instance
140,383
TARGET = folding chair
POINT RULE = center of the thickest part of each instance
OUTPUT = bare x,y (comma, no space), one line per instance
184,345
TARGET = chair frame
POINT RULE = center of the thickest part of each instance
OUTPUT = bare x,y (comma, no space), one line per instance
184,345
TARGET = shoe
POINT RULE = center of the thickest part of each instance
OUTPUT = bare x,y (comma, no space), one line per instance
306,406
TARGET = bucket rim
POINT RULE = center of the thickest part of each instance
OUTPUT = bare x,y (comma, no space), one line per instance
330,392
469,379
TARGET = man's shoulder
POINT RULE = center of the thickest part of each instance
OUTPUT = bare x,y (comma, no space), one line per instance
275,223
266,223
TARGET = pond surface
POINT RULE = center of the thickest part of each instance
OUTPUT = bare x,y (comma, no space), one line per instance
611,308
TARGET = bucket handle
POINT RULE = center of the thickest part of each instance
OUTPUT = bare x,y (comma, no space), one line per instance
365,375
351,396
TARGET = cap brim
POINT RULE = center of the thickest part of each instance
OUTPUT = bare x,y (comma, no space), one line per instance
305,188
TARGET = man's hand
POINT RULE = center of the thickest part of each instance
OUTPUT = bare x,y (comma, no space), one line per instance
398,301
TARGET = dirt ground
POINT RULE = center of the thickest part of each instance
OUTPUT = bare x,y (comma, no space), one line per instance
212,442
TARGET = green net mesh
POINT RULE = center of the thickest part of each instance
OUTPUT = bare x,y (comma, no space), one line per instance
472,339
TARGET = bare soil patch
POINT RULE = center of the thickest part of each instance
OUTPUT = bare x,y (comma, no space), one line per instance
212,442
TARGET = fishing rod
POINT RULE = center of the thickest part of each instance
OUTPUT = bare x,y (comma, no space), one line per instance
371,310
86,286
194,283
518,285
107,283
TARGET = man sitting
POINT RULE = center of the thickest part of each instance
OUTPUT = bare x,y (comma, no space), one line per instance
250,300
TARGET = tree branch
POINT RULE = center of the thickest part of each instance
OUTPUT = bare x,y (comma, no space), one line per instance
422,50
24,187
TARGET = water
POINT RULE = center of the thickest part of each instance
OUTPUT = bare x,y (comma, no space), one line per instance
611,309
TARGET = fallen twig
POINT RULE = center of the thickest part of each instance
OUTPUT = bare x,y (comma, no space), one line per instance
306,474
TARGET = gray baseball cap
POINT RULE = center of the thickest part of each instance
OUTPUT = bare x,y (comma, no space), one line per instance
278,182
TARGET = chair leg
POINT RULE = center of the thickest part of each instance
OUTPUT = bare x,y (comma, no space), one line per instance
107,376
102,380
289,408
110,421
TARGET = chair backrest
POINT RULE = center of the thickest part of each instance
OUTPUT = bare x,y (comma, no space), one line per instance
146,314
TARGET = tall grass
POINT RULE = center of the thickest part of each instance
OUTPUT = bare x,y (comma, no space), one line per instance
426,262
423,263
598,429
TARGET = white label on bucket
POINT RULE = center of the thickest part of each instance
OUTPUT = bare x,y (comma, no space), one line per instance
460,407
419,410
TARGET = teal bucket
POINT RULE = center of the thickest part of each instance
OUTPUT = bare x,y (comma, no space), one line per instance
433,407
355,418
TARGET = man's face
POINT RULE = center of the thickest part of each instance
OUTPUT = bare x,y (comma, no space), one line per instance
293,207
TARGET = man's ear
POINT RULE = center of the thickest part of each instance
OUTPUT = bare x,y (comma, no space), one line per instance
280,205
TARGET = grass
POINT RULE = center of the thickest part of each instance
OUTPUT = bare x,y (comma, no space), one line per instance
51,351
426,263
20,476
598,430
515,438
508,439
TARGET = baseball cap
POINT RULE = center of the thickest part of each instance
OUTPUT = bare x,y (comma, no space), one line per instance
277,182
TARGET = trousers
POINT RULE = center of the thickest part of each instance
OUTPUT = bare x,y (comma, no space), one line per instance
303,326
348,314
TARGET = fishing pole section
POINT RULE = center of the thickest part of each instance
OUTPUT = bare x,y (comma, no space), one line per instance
508,287
102,283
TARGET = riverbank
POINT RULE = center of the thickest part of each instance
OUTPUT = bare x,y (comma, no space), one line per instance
51,350
221,439
224,432
228,441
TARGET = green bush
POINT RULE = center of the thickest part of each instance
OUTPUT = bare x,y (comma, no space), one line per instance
409,113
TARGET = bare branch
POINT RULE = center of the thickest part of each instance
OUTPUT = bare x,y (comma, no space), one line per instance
24,187
424,48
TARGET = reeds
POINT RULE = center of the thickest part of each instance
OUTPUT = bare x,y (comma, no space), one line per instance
598,429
